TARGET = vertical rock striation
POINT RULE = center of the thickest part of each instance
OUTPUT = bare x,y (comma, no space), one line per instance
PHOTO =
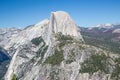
61,22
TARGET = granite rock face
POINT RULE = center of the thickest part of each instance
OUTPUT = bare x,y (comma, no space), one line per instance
55,50
61,22
6,34
45,28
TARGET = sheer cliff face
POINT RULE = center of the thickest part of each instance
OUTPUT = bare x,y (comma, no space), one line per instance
54,50
61,22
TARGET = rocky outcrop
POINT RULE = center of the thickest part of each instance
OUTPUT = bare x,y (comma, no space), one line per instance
27,35
65,59
54,50
45,29
61,22
6,34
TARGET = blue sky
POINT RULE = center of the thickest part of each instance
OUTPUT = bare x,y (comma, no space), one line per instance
21,13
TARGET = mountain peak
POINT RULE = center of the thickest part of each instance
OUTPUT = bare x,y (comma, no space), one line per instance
107,25
42,34
60,21
59,12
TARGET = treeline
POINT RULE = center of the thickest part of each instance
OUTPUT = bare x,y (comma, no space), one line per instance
103,41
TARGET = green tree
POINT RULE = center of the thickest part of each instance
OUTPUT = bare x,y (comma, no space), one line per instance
14,77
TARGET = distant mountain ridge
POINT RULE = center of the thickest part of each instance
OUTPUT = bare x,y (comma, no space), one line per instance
106,36
105,28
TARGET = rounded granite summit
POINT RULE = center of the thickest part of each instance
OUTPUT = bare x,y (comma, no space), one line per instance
60,21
